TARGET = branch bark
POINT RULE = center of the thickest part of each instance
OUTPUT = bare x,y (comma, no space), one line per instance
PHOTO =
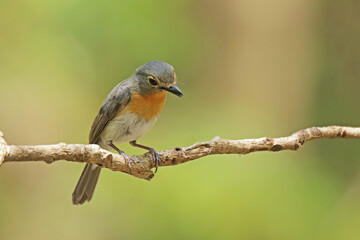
143,163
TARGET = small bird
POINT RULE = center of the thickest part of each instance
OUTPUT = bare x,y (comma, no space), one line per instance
128,112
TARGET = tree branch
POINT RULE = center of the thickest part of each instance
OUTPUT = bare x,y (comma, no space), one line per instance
143,163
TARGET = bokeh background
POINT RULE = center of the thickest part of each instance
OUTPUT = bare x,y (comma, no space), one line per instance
247,68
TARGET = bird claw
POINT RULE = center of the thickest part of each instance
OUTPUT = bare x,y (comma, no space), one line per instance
128,159
156,158
124,155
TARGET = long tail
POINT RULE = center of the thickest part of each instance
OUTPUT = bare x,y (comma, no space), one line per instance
85,187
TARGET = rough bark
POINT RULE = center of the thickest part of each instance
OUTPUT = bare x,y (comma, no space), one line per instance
143,163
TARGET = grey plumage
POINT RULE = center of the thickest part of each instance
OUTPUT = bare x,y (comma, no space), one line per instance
114,124
162,70
117,99
85,187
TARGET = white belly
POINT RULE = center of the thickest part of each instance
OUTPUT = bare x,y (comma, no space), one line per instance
125,127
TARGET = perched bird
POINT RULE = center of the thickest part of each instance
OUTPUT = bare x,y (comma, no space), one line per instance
128,112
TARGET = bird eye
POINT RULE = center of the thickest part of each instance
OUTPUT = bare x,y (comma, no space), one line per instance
152,81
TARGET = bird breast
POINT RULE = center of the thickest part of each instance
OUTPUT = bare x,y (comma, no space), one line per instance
125,127
134,120
147,107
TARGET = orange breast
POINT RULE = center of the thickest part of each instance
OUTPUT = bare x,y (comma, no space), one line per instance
147,107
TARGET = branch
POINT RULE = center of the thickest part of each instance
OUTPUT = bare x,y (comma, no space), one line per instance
143,163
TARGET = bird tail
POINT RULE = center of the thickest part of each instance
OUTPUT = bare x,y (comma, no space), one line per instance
85,187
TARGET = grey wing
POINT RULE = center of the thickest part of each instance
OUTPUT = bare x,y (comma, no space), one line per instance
117,99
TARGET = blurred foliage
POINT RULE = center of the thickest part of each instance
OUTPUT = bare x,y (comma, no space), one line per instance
247,69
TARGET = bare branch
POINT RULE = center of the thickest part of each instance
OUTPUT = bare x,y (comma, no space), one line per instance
143,163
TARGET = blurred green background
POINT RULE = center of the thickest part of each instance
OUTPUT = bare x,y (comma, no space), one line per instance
247,68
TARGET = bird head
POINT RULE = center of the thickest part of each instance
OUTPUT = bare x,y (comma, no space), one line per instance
156,76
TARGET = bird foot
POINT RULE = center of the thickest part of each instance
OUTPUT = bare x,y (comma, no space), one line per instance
156,158
124,155
128,159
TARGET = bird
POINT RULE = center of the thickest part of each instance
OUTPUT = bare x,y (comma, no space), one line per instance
128,112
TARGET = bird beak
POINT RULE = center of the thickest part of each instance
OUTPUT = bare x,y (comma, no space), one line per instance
173,89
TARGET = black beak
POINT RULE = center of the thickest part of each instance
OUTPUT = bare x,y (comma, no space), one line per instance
173,89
